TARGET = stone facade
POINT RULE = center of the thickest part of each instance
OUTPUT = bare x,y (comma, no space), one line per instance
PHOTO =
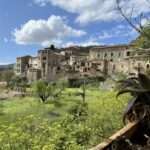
139,60
45,66
111,58
50,63
22,63
33,70
110,53
121,59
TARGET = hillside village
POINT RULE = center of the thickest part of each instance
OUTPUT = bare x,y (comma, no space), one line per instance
75,75
52,63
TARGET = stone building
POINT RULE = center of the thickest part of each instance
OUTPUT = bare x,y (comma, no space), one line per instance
22,64
111,59
110,53
139,60
120,59
50,63
46,66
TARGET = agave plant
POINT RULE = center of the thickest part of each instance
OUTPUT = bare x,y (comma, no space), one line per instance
139,106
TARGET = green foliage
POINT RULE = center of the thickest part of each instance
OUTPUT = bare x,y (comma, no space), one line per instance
6,76
79,111
26,124
45,90
18,82
143,41
78,82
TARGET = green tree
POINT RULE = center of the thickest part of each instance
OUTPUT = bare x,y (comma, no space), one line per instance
18,82
143,41
7,76
45,90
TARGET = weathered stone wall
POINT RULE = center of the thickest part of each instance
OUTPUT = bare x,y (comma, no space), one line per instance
33,75
50,62
22,65
109,53
121,59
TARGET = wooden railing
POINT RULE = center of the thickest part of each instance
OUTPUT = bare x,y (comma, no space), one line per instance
125,133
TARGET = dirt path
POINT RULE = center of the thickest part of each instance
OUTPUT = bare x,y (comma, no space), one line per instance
6,94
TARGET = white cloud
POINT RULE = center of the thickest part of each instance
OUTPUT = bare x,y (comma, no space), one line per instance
89,42
41,2
118,32
54,30
105,35
97,10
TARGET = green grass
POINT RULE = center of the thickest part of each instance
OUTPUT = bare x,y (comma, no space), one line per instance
104,116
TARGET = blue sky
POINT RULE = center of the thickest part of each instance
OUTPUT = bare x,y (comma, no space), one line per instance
29,25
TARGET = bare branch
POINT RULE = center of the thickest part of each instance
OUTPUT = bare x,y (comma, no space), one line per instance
126,18
138,25
148,1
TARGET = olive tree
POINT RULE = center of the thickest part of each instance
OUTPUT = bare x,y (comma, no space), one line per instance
45,90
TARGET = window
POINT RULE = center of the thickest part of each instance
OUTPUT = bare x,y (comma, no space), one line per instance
58,68
119,54
44,58
112,54
98,55
139,67
18,65
128,53
85,70
147,66
82,64
114,68
43,65
105,55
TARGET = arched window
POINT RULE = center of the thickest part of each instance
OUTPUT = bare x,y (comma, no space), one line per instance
128,53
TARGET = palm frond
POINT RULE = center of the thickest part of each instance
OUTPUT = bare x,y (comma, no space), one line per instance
132,91
134,85
129,108
139,88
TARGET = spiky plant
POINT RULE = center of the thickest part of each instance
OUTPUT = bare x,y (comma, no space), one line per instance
139,106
